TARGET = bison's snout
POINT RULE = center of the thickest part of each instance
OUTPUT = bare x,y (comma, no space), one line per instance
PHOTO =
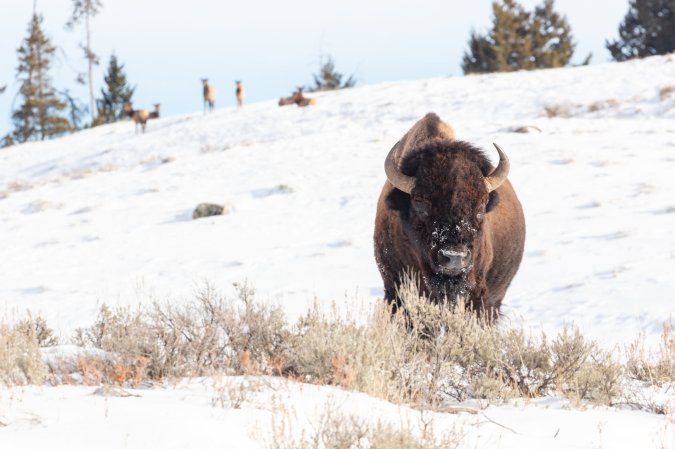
453,261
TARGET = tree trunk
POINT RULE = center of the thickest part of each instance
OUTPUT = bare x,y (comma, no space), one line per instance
91,76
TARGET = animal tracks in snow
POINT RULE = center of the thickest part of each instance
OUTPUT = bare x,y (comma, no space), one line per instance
611,236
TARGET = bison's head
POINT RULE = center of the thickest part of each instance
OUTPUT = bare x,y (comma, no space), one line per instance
443,192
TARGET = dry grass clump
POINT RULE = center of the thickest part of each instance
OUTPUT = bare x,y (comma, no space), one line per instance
339,431
424,355
206,335
655,368
20,358
468,357
326,348
559,110
666,91
430,353
603,104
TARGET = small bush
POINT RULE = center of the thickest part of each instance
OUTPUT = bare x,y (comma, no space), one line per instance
558,110
424,355
666,91
38,327
338,431
20,359
603,104
656,369
200,337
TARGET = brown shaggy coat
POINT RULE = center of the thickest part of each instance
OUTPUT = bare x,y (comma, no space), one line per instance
448,208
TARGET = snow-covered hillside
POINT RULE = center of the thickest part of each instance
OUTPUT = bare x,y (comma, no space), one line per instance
105,216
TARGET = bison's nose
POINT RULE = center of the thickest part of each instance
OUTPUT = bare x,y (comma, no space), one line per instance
453,261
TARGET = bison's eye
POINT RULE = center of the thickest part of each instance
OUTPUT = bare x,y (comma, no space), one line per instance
421,208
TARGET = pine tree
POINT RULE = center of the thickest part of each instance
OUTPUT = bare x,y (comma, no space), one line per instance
511,37
552,44
116,93
329,78
75,109
481,55
38,115
86,10
647,29
520,40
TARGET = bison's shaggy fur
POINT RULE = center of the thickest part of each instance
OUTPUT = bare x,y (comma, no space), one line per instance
448,215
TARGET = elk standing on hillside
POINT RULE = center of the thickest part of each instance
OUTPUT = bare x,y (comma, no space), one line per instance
240,94
209,95
155,113
139,116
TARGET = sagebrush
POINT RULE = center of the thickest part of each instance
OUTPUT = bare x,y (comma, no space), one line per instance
425,355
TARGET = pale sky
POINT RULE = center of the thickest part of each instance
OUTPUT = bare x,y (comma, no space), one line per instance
168,45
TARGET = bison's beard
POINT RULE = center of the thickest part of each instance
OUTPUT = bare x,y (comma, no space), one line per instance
449,288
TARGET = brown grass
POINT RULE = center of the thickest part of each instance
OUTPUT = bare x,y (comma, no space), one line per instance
20,358
666,92
336,430
424,356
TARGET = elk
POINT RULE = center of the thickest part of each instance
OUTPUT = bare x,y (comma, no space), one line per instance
139,116
209,95
240,93
155,113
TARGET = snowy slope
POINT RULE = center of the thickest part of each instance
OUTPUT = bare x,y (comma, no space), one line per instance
182,416
105,215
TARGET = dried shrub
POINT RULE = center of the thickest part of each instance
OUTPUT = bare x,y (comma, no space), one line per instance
329,349
424,355
339,431
194,339
234,392
666,91
655,368
603,104
558,110
20,358
38,327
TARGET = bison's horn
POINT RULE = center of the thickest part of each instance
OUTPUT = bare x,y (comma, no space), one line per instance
499,174
394,175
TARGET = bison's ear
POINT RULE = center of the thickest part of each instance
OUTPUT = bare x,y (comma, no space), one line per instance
493,201
398,200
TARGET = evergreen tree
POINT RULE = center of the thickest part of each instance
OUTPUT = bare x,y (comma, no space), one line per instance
329,78
116,93
2,89
38,115
511,37
481,55
520,40
75,109
552,44
647,29
85,10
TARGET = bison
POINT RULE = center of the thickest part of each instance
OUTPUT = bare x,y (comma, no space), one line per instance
446,215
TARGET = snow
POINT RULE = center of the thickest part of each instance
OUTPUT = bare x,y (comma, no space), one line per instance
104,216
182,416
